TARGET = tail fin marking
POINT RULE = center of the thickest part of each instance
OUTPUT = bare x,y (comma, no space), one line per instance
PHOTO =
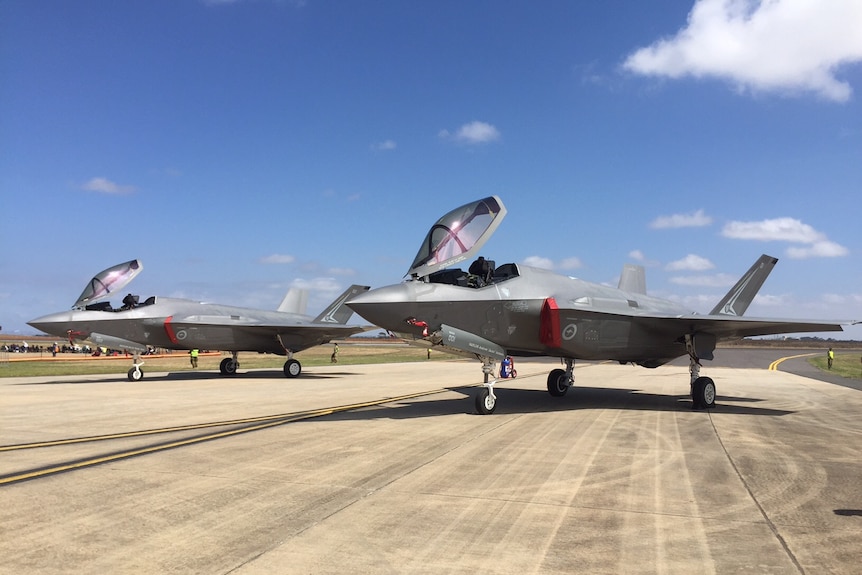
737,300
337,312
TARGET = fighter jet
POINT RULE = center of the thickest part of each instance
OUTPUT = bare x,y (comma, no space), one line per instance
173,323
490,312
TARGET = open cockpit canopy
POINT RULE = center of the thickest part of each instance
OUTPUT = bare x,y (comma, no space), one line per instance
108,281
458,236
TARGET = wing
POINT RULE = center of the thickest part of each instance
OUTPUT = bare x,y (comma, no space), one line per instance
735,327
236,333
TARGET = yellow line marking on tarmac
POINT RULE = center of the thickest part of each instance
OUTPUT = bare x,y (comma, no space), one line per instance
774,365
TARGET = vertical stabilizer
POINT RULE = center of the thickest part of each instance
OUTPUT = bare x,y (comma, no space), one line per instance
337,312
633,279
742,294
295,301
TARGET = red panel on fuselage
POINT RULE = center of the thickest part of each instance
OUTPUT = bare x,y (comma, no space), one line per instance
169,329
549,327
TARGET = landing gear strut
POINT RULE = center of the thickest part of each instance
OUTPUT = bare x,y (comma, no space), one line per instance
136,373
486,401
702,388
229,365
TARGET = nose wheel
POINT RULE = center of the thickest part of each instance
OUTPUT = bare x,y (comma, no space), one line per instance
136,373
485,400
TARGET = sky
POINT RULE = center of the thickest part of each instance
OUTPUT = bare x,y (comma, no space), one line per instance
242,147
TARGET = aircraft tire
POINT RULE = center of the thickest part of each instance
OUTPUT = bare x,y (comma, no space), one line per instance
228,366
703,393
557,383
485,402
292,368
136,374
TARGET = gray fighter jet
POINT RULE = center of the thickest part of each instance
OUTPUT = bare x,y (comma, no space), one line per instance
173,323
490,312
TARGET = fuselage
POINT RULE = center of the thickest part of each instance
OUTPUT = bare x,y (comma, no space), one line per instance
174,323
521,310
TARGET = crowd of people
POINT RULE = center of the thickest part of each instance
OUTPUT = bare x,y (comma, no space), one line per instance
54,349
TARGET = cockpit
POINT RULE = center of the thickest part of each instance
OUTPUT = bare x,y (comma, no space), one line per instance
129,302
481,273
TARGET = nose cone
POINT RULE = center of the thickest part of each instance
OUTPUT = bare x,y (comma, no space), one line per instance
55,323
384,307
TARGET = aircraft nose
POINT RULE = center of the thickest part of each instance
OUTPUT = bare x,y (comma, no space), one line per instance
54,323
379,306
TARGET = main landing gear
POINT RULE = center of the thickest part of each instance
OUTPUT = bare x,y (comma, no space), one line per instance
292,368
702,388
559,382
229,365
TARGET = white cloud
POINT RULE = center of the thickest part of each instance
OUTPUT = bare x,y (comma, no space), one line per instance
784,229
549,264
717,280
473,133
696,220
384,145
342,271
690,262
570,264
539,262
767,45
788,230
824,249
277,259
106,186
320,286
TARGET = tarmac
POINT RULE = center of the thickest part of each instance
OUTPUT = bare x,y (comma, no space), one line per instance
260,474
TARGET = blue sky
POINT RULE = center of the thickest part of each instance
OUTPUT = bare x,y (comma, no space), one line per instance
239,148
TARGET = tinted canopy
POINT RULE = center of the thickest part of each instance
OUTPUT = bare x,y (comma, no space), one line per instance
108,281
458,235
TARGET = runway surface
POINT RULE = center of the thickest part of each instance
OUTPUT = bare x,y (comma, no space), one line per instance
195,473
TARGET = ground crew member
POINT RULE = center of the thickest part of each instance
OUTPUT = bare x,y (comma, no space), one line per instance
193,357
334,357
830,355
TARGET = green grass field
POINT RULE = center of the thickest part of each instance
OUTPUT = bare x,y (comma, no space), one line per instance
347,355
845,364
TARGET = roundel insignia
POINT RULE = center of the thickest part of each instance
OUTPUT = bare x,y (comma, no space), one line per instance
182,334
570,331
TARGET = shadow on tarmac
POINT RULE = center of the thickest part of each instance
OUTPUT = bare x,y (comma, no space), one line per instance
190,376
522,402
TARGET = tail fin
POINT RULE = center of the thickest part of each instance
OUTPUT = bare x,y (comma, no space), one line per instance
337,312
742,294
633,279
295,301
